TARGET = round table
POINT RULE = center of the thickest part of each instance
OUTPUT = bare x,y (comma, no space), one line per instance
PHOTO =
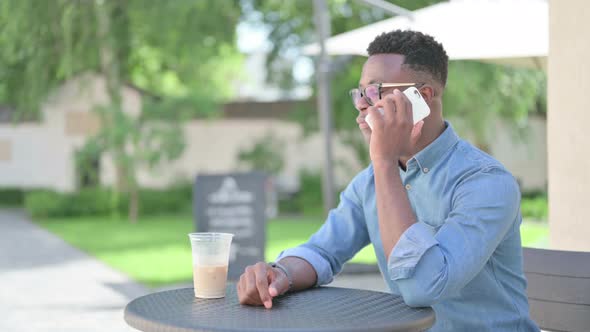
318,309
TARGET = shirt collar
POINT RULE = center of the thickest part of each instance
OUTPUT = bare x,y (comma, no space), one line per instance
430,155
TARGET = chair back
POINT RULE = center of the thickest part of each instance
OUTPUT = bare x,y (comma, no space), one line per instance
558,288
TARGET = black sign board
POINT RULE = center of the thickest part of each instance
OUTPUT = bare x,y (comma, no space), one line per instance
234,203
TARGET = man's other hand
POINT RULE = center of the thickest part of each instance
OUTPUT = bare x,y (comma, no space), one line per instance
260,283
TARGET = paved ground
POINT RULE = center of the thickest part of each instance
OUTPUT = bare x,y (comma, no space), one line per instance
47,285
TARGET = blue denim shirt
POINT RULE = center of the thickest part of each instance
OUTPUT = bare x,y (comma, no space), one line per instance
463,256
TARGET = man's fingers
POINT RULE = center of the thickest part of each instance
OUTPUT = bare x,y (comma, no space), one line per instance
389,107
403,107
259,284
240,293
260,270
375,118
251,291
251,282
272,289
242,289
242,296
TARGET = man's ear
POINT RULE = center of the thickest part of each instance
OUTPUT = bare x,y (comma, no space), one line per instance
428,93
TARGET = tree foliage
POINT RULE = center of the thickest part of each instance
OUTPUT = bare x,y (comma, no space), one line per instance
476,92
181,52
168,48
291,25
266,154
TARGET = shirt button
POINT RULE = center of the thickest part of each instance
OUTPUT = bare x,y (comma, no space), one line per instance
426,170
408,187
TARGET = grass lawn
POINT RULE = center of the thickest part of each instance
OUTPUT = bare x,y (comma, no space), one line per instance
156,250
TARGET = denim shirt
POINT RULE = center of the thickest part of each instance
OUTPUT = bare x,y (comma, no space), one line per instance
463,256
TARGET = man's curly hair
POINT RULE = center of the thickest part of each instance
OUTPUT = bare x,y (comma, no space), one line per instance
421,52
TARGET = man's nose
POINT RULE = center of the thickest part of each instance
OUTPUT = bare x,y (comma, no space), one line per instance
361,105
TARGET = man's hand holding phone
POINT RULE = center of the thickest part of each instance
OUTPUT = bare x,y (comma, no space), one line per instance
394,131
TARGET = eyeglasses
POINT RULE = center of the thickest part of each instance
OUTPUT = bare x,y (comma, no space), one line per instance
372,92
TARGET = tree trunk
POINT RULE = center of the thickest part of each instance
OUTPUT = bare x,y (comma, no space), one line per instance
133,204
110,68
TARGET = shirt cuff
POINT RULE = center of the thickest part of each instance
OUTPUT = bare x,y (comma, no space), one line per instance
319,263
409,249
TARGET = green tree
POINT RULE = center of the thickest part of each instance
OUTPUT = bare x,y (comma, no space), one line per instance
168,48
266,154
291,26
178,49
476,92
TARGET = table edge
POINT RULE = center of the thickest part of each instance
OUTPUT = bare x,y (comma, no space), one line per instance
147,325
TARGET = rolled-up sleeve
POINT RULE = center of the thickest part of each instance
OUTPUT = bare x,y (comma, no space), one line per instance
319,263
430,265
342,235
413,243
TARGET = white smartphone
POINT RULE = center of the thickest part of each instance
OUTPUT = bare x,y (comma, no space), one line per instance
419,107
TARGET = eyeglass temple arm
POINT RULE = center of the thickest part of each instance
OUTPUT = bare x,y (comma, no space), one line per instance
393,85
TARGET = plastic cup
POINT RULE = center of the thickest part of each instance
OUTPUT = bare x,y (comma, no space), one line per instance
210,262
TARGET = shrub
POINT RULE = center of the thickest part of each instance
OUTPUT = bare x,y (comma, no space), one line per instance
87,201
534,206
267,155
288,204
45,203
11,197
154,201
309,199
97,201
